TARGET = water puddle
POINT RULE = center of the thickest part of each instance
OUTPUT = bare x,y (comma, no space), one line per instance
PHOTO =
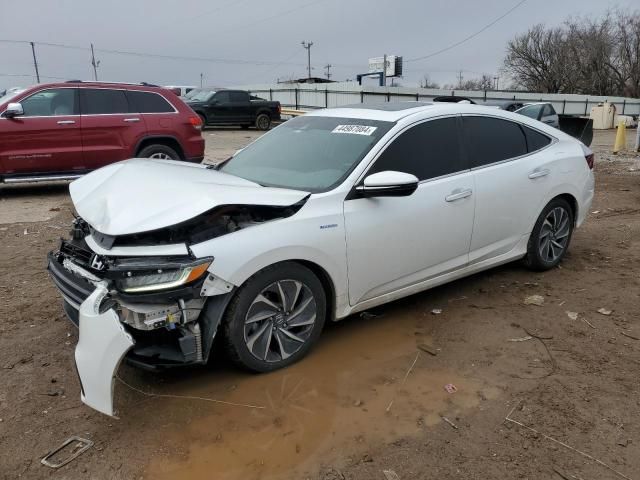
359,387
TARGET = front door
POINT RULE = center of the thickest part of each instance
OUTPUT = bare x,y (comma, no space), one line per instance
396,242
219,108
47,138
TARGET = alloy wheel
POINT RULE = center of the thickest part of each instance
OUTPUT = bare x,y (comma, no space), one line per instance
161,156
554,234
280,320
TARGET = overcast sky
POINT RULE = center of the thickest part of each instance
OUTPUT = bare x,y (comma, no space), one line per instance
258,41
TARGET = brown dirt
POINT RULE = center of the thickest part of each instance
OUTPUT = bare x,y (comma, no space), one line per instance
367,399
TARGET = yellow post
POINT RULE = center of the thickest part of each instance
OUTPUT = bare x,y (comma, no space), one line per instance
621,137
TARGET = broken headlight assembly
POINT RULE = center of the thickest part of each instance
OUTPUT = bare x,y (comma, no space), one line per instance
167,277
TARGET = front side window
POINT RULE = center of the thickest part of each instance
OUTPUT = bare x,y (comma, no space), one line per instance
222,97
308,153
147,102
489,140
51,103
548,110
428,150
101,101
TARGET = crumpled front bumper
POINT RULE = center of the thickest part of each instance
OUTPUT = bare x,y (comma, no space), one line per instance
101,347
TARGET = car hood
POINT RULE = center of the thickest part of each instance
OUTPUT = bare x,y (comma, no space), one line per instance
140,195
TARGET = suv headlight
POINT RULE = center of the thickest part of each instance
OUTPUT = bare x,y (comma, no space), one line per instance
148,281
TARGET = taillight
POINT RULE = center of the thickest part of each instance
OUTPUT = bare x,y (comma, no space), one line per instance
590,158
196,122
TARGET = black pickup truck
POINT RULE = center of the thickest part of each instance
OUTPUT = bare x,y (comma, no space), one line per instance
232,107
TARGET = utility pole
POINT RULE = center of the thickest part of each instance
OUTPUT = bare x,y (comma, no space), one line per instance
328,68
95,64
308,45
35,62
460,78
384,70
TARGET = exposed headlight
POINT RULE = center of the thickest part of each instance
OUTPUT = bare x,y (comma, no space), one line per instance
162,279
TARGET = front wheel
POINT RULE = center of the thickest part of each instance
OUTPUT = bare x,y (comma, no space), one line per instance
275,317
551,235
263,122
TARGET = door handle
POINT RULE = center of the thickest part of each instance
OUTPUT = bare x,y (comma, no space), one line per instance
131,119
66,122
539,172
458,194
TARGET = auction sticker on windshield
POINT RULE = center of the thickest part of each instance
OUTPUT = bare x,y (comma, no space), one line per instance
354,129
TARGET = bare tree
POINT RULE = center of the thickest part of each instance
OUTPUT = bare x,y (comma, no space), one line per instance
427,83
586,56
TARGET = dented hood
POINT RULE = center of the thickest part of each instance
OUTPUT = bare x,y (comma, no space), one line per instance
140,195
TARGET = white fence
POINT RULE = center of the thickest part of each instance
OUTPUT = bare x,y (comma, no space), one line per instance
306,96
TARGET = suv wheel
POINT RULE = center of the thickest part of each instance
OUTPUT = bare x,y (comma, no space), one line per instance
551,235
263,122
161,152
275,317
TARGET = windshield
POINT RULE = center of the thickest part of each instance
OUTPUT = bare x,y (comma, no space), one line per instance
199,95
10,94
308,153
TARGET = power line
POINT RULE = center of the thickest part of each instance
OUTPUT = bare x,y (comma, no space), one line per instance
466,39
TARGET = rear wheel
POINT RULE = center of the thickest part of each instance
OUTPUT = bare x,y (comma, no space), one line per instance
275,317
203,119
551,235
263,121
161,152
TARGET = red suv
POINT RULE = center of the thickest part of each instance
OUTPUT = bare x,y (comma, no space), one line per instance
63,130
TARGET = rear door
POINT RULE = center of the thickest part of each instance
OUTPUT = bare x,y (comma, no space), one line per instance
396,242
109,132
513,171
240,111
47,138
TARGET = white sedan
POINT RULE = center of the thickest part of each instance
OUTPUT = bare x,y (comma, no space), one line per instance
328,214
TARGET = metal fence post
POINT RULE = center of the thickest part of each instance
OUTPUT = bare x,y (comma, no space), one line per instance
271,95
388,96
624,103
296,95
417,97
326,98
485,95
564,104
361,96
586,105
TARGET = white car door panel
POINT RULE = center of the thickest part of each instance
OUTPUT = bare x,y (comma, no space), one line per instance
394,242
509,186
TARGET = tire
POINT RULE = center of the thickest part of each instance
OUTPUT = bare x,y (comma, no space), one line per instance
204,121
551,236
263,122
160,152
264,343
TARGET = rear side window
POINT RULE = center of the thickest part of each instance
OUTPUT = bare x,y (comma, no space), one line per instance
489,140
428,150
101,101
148,102
535,140
239,97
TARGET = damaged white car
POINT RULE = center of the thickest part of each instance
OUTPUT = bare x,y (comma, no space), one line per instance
326,215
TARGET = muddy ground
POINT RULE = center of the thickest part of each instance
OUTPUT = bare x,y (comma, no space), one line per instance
368,399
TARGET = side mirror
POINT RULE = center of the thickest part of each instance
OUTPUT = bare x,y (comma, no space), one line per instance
388,184
14,110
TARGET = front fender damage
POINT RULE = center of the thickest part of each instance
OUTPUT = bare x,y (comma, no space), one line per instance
101,347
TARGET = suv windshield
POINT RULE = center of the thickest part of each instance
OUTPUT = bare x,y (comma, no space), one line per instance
199,95
308,153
